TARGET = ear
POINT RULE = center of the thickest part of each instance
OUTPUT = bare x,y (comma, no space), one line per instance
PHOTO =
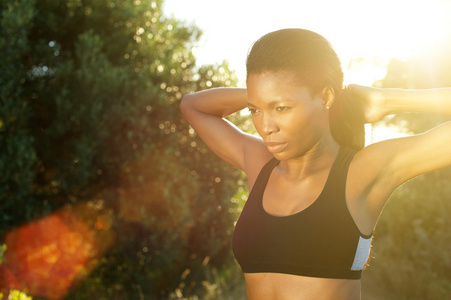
328,96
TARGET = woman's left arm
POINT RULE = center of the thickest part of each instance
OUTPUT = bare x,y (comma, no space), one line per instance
377,103
428,100
383,166
418,154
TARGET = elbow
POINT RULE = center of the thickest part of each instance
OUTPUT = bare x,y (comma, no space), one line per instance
185,103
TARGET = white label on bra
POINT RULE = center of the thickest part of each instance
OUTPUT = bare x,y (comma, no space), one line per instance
361,255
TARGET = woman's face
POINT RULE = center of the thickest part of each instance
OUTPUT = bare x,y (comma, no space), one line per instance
290,120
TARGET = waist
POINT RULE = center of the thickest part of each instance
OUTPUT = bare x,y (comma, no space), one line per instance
271,286
333,272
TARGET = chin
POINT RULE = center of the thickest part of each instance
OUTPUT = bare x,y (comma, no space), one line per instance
281,156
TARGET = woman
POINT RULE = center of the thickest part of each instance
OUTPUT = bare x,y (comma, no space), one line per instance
316,193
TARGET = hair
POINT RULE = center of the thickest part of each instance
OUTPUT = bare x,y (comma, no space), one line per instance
311,58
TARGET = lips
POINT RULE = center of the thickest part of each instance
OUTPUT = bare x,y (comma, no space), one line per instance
275,147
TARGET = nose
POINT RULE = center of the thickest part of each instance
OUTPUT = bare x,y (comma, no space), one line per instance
268,124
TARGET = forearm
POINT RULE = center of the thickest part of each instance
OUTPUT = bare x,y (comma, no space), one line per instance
429,100
218,102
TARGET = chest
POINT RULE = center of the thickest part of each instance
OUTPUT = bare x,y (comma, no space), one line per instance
319,240
284,197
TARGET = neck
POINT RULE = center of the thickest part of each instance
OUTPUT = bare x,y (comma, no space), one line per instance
319,157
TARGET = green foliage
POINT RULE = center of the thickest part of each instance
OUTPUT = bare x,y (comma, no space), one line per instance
2,252
17,155
16,295
420,72
13,294
89,109
412,240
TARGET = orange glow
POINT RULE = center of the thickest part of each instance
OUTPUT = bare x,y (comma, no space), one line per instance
7,280
47,256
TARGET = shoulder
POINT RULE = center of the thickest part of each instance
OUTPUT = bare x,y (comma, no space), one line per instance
378,169
369,185
256,156
370,167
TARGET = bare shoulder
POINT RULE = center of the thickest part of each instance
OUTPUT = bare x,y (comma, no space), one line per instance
403,158
369,185
371,159
256,156
377,170
369,169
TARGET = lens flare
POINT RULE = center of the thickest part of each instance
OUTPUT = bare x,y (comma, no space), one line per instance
47,256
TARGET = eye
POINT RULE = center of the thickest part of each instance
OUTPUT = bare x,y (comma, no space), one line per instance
253,111
283,108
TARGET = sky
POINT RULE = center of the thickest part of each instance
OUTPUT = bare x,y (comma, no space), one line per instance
373,31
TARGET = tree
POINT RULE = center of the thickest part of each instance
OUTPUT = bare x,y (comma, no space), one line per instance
17,156
89,110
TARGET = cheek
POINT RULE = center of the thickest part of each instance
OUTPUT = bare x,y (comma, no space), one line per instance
318,116
309,125
256,121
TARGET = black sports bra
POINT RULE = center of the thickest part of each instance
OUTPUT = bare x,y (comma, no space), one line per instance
320,241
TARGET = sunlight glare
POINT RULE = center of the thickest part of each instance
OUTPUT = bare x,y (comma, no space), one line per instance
400,30
357,29
381,133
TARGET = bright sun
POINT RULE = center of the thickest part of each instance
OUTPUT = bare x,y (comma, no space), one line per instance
372,30
398,29
422,28
368,33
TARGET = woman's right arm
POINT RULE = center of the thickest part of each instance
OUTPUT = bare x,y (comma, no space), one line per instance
205,112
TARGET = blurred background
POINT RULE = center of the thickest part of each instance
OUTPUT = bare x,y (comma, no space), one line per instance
107,193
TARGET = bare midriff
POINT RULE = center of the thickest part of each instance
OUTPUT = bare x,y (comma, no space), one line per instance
275,286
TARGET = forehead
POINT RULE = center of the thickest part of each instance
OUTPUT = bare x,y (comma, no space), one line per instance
275,87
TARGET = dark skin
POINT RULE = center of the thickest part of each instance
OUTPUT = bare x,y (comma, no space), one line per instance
294,128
